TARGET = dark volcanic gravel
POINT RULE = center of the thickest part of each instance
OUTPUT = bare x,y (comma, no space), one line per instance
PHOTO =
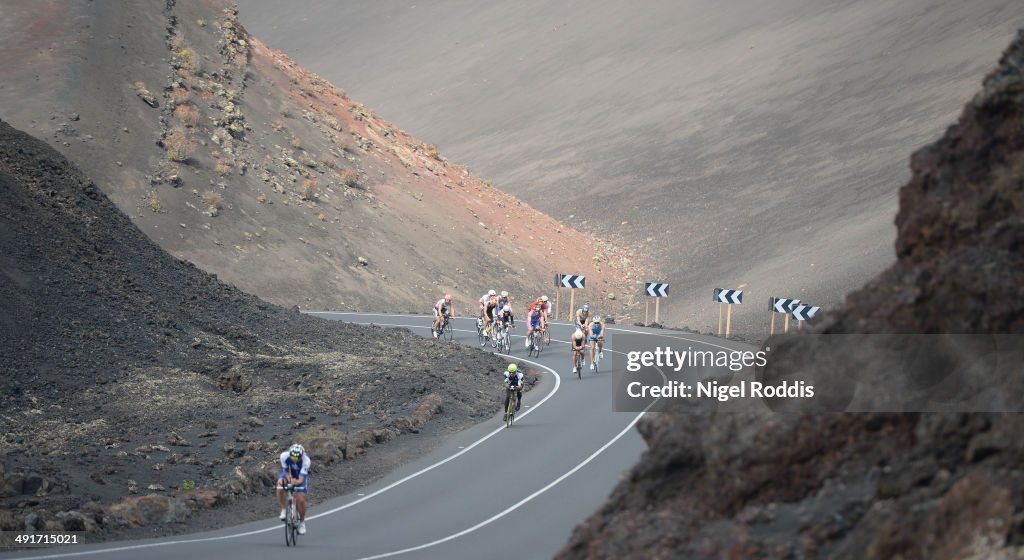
126,373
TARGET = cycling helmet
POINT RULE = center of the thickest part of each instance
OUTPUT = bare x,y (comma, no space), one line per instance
504,294
512,368
506,309
492,293
297,451
586,307
597,319
578,334
544,298
447,298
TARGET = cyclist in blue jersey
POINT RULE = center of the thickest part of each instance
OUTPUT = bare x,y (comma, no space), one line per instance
295,471
595,335
534,322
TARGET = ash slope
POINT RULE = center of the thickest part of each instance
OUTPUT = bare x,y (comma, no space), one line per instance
125,371
865,485
231,156
756,143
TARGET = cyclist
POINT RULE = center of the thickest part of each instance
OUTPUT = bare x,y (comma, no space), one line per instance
490,310
295,471
541,304
503,299
595,335
505,316
534,322
443,308
484,299
578,345
583,317
513,380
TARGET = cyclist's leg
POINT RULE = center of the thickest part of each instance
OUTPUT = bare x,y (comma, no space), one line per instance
519,399
504,408
300,498
281,496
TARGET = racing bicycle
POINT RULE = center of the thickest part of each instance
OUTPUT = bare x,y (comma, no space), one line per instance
536,342
510,408
291,519
577,360
444,330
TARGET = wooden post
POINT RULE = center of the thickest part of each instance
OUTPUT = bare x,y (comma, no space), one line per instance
572,302
558,292
720,318
799,326
787,323
728,321
657,310
772,333
647,311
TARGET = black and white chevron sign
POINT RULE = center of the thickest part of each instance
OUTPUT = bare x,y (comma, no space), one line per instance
573,281
783,305
804,312
728,296
655,289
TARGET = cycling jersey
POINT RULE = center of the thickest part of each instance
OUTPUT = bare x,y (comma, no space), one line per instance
534,318
582,316
579,344
596,329
441,308
516,381
296,470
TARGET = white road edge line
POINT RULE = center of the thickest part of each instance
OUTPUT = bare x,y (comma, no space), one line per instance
518,504
277,527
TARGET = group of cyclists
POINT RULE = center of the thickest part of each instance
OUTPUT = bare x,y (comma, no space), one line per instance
494,309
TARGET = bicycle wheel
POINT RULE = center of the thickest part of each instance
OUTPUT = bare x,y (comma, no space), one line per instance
539,342
579,365
289,534
494,336
446,332
547,335
510,411
530,338
480,331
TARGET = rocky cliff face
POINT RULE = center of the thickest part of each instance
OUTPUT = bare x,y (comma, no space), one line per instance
872,485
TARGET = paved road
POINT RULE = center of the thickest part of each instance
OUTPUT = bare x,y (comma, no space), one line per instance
487,493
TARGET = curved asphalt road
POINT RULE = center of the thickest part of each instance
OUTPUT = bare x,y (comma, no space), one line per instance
486,493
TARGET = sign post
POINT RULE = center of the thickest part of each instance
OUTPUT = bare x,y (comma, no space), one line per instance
781,305
656,290
728,297
573,282
558,292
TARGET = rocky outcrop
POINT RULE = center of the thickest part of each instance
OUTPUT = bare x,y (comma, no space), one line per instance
879,485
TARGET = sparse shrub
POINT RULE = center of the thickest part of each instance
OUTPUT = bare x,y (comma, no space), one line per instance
261,198
432,151
330,163
278,125
188,485
188,115
201,22
309,188
285,110
296,142
349,177
323,217
214,200
178,145
207,95
332,122
247,235
307,160
179,95
223,167
187,59
268,161
156,205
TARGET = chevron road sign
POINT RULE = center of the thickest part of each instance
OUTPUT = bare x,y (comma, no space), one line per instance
804,312
783,305
655,289
573,281
728,296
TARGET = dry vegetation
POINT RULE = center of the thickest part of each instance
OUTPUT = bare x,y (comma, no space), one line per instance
177,145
